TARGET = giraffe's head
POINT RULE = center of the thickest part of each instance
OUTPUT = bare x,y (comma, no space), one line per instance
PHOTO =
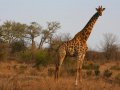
100,10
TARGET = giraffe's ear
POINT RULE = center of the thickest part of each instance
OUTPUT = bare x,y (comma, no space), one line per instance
103,9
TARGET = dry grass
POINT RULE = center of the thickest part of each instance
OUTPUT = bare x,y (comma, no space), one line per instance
15,76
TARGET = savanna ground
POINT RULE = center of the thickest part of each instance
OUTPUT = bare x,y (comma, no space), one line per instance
22,76
101,70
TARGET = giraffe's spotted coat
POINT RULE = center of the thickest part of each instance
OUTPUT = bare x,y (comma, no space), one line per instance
77,46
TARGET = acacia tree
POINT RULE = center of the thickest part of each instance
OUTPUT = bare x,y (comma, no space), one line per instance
1,35
47,34
33,30
12,31
110,46
7,29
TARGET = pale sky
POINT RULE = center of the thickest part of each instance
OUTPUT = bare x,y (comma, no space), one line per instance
72,14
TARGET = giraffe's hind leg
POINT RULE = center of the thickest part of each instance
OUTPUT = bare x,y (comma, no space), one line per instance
80,68
61,56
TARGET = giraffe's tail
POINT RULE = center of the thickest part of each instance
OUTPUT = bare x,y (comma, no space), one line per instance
56,72
56,67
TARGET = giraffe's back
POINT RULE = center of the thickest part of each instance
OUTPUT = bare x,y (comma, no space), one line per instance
72,47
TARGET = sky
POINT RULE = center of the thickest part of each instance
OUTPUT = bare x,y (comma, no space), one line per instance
72,15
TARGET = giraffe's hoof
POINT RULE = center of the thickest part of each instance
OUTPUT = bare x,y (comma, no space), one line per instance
76,83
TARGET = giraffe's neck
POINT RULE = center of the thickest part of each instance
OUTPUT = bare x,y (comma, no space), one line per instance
85,33
88,28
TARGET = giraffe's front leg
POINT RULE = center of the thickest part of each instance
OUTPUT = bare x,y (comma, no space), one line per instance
79,69
80,59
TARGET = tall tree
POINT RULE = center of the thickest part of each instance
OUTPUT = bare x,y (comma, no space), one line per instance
47,34
1,35
110,45
34,30
12,31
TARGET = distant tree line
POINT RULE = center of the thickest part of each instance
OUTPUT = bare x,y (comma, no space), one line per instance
16,37
109,49
17,42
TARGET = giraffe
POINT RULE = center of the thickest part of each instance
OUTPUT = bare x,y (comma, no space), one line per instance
77,46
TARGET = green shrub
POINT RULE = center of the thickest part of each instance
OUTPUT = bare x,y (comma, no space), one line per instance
87,66
91,66
107,73
97,72
18,46
25,56
115,67
69,66
71,71
89,72
117,77
3,51
96,67
2,55
42,58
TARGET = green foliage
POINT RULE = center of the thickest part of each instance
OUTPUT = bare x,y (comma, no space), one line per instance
47,34
17,46
97,72
91,66
42,58
89,72
117,77
115,67
71,71
67,62
96,69
96,66
69,66
12,31
25,55
87,66
3,51
107,73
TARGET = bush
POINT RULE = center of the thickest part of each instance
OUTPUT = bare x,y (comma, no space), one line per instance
3,51
71,71
18,46
107,73
87,66
97,72
25,55
42,58
89,72
115,67
69,66
91,66
96,67
117,77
